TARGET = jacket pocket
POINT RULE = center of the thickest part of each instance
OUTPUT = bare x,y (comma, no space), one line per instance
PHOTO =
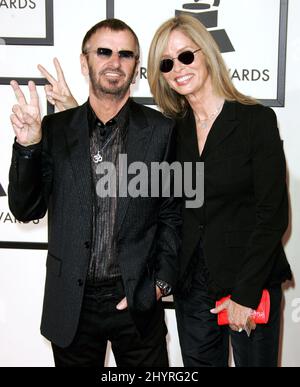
54,265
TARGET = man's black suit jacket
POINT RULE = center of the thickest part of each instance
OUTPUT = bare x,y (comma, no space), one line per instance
57,177
245,211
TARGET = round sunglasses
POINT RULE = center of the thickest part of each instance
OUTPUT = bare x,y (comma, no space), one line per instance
186,57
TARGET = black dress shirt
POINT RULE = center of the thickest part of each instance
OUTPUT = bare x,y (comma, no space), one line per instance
107,142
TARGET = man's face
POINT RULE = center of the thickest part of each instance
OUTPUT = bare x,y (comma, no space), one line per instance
112,69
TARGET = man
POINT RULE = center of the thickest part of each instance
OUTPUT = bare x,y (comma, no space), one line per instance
110,259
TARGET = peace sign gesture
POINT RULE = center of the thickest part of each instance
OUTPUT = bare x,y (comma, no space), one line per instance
26,117
58,92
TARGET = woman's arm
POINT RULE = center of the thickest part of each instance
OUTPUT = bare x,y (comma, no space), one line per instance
270,190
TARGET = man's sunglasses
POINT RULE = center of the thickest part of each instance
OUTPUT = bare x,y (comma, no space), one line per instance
186,57
107,53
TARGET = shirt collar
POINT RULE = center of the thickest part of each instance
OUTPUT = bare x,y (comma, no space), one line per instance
120,120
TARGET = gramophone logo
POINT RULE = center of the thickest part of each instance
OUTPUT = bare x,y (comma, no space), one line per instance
207,14
2,192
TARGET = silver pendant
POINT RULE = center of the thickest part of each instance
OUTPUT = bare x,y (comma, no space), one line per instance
203,125
98,158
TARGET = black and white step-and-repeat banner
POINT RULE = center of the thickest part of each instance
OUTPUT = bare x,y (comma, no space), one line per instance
252,34
260,42
13,233
26,22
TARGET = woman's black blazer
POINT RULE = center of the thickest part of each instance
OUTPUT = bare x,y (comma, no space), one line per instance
245,211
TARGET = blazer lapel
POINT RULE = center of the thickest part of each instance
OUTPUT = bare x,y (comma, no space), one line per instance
138,139
79,153
187,146
224,125
187,143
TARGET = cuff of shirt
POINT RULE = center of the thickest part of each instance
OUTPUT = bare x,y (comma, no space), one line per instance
28,151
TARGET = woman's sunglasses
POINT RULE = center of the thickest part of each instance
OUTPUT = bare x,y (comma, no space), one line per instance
186,57
107,53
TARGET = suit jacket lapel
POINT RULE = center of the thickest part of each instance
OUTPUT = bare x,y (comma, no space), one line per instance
78,142
187,143
224,125
138,139
187,140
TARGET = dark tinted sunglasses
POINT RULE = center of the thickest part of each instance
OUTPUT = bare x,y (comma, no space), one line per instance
186,57
107,53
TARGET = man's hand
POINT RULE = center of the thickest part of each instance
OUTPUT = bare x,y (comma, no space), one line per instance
158,293
26,117
58,92
123,304
238,316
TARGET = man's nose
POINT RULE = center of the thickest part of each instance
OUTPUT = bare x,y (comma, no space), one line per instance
115,60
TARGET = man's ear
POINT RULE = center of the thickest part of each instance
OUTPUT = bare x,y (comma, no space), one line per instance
84,65
137,70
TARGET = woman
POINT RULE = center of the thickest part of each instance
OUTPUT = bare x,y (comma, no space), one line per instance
232,244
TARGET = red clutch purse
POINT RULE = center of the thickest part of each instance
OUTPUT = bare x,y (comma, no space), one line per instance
260,315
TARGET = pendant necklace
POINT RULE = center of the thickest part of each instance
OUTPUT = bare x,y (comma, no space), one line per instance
98,158
204,123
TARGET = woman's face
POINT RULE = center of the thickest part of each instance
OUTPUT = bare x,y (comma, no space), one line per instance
186,79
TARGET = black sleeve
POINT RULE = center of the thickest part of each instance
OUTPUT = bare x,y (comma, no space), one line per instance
169,226
270,189
30,180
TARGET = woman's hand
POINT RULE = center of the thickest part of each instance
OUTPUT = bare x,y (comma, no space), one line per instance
238,316
58,92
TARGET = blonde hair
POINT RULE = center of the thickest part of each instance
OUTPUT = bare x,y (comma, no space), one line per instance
170,102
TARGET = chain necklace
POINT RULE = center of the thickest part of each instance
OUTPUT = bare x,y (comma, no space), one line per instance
204,123
98,158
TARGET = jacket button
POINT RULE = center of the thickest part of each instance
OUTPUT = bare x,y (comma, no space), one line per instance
87,245
80,283
201,227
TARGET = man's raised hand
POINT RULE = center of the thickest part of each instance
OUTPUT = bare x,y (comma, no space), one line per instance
58,92
26,117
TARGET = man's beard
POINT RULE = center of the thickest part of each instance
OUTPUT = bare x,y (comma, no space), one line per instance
113,90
